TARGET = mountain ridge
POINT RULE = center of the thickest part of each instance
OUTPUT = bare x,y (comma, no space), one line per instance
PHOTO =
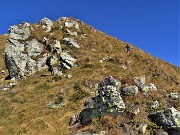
99,56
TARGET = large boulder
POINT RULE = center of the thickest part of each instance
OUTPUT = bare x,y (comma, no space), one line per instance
19,57
169,119
108,100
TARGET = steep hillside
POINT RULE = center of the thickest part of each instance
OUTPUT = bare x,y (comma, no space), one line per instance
26,107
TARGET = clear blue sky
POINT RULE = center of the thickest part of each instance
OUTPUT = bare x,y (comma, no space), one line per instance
152,25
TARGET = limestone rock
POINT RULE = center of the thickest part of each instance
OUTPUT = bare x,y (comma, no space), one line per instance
69,23
130,90
18,57
148,87
33,48
46,23
108,100
21,31
169,119
68,32
71,42
173,96
74,119
54,105
68,60
139,81
85,116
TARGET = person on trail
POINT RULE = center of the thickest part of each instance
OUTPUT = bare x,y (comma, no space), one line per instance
128,48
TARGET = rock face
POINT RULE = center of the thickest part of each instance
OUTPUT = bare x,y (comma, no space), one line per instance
19,57
169,119
24,56
108,100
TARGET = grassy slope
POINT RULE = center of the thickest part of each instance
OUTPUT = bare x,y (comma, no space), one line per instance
23,110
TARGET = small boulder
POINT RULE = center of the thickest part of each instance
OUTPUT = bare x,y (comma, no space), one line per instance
69,23
173,96
130,90
74,119
46,23
148,87
139,81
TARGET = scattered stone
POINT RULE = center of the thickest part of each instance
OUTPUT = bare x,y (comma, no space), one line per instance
134,110
169,119
130,90
68,76
68,32
173,96
86,133
139,81
46,23
71,42
141,129
148,87
54,105
155,105
74,119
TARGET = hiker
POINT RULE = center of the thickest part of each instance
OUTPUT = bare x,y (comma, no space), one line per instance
128,48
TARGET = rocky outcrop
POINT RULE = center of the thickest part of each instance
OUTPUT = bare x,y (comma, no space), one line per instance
108,100
46,23
24,55
169,119
19,57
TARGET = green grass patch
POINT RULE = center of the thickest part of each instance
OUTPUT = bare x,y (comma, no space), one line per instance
42,87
